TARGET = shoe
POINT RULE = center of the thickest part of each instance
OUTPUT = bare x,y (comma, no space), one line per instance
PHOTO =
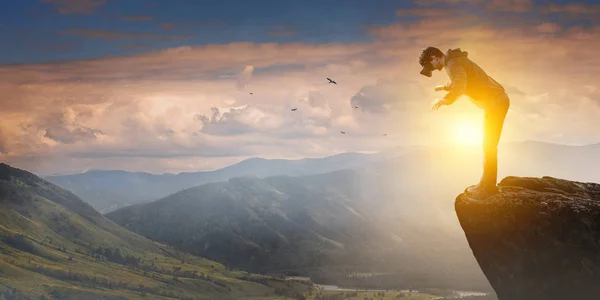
481,192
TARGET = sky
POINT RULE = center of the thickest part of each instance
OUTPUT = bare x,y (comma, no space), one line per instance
165,86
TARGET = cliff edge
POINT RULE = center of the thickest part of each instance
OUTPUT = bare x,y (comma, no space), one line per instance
538,238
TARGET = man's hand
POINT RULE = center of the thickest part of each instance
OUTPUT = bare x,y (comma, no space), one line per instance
440,88
435,104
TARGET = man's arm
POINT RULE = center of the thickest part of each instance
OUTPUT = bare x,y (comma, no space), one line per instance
458,85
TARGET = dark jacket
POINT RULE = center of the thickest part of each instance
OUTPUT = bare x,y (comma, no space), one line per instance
469,79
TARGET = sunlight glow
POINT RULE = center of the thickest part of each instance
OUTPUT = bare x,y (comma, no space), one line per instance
468,133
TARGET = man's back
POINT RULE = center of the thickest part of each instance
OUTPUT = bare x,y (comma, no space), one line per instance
480,87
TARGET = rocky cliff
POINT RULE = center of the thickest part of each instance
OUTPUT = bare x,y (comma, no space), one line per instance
538,238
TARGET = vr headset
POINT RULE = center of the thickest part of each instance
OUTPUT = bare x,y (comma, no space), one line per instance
427,69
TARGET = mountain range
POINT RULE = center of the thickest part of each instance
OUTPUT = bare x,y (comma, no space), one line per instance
107,190
388,214
385,213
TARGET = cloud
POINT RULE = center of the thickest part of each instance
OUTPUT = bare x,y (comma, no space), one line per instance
548,27
173,110
238,120
64,127
71,134
67,7
374,99
244,77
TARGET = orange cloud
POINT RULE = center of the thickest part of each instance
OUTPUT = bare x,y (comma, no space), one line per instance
159,106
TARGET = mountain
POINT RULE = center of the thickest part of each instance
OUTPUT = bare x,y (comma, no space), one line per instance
56,246
109,190
382,217
537,238
315,225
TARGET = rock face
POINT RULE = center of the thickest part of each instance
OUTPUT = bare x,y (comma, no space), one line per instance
539,238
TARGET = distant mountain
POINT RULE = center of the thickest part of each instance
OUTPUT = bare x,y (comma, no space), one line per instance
55,246
384,216
109,190
317,225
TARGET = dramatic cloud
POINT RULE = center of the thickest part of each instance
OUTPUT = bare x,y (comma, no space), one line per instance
189,108
64,127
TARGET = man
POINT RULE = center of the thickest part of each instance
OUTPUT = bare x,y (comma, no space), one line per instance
467,78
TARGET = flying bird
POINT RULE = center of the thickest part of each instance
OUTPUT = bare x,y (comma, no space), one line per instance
251,93
385,134
343,132
355,106
294,109
331,81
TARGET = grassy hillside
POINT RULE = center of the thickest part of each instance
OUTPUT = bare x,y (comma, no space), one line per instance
55,246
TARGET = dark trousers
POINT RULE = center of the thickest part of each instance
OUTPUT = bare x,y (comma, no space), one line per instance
495,113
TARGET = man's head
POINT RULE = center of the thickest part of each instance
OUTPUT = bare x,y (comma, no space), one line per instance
431,58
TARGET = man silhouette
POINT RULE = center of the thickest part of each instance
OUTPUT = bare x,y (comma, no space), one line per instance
467,78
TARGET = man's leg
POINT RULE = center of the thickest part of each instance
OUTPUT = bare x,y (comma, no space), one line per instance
495,113
493,123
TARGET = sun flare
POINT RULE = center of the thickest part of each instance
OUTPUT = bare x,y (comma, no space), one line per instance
468,133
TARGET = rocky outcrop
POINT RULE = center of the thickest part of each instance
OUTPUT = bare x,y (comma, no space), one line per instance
538,238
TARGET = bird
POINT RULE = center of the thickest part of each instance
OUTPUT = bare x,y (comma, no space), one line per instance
355,106
385,134
251,93
294,109
343,132
331,81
